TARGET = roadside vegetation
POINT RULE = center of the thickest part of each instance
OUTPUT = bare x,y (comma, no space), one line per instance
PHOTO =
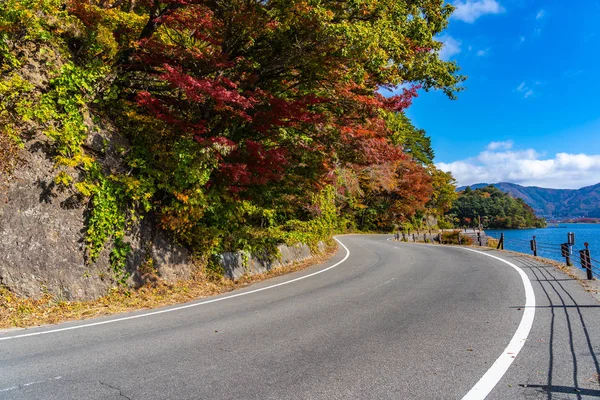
246,123
234,125
20,312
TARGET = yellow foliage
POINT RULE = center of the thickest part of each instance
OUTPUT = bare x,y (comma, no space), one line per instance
63,179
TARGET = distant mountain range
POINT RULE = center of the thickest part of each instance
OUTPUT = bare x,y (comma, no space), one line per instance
554,203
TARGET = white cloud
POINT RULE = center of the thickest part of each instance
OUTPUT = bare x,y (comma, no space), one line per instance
506,145
525,90
541,14
482,53
451,46
470,10
499,163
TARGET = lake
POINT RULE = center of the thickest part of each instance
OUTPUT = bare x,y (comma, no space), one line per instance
550,238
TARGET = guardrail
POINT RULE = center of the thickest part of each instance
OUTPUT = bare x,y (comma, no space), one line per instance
580,258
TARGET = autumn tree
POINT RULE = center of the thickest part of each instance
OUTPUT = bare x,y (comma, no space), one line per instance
444,191
250,118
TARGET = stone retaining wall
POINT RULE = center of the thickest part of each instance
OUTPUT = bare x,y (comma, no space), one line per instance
239,263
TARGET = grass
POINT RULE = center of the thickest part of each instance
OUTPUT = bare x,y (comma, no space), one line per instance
493,243
19,312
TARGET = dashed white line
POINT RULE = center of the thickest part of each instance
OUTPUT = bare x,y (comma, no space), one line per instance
111,321
29,384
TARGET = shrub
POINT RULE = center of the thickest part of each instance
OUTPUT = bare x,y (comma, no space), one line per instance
453,238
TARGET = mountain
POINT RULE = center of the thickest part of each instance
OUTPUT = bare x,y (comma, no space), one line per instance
554,203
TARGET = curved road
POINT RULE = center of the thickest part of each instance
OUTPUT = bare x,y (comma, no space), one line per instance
386,321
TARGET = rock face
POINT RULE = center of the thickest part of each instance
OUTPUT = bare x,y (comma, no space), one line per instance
43,225
237,264
42,228
42,246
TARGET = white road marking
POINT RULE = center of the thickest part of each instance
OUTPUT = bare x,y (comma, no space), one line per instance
70,328
29,384
386,282
493,375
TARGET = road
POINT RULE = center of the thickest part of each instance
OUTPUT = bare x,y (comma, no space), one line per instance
380,320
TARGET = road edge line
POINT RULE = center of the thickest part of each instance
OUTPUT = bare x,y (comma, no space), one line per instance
495,373
178,308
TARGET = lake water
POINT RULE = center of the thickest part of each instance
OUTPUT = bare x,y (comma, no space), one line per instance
550,238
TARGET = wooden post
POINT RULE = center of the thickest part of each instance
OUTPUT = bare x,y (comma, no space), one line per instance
501,242
565,251
586,261
533,245
570,243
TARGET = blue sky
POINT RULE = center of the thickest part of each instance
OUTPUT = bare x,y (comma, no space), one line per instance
533,90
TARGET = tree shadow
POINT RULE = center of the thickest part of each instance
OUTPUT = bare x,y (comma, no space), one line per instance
47,194
550,284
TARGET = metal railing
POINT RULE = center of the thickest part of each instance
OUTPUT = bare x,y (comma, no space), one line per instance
581,258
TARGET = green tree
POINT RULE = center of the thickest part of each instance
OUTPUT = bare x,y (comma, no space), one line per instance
496,208
444,191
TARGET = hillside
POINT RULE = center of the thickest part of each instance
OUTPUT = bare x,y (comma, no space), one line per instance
497,209
554,203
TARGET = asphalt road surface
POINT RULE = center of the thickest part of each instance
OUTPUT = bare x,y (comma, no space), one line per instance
380,320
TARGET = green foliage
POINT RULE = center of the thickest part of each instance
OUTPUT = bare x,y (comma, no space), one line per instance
15,94
63,108
296,81
118,256
444,192
496,209
443,223
107,215
414,141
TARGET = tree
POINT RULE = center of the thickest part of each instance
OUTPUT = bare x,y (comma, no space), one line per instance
496,208
246,115
284,91
414,141
444,191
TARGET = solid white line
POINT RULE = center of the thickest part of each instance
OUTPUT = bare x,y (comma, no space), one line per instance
182,307
493,375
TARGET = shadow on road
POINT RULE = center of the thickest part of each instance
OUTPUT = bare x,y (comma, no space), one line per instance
567,322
